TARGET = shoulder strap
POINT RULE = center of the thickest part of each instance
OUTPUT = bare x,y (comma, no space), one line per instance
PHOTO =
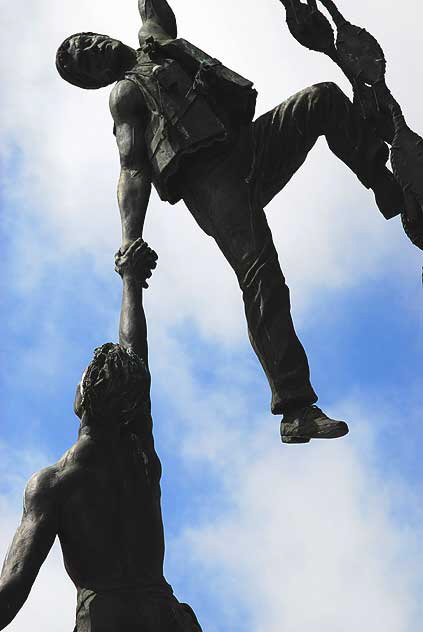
150,98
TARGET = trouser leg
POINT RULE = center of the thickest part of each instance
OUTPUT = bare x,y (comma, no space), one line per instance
348,135
270,326
222,204
232,212
286,134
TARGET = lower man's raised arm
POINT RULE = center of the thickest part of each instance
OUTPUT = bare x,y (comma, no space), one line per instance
134,264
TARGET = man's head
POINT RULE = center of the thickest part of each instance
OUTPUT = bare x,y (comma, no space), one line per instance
114,387
91,60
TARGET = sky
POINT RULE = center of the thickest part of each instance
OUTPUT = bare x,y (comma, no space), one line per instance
260,536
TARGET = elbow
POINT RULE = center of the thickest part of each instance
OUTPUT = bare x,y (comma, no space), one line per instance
131,172
134,182
132,167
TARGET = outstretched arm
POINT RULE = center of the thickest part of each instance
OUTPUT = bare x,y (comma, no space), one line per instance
158,19
134,266
128,110
309,26
31,544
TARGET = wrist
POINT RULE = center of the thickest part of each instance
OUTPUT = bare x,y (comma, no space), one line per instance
130,277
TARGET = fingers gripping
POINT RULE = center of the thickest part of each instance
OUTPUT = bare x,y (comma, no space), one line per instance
137,259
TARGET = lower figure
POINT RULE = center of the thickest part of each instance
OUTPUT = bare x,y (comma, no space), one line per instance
226,193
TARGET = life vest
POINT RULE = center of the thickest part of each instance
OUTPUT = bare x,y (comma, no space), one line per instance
182,119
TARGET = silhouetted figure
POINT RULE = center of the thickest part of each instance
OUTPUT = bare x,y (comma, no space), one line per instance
102,498
184,123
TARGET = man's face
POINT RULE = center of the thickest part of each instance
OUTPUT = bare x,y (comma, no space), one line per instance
77,404
96,55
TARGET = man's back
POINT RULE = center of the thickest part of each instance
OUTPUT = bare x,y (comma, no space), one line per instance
110,524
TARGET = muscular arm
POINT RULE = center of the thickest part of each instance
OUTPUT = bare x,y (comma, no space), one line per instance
30,546
134,265
134,188
133,326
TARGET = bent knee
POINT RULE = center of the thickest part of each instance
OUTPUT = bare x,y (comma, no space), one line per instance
324,99
327,89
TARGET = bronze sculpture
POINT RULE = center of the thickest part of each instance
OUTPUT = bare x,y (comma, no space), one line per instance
102,498
184,122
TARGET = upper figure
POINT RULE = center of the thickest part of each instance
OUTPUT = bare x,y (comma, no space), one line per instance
184,123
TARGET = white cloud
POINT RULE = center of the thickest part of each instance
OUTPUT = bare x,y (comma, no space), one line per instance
309,543
316,537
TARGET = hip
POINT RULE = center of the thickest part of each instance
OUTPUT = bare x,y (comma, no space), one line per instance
147,609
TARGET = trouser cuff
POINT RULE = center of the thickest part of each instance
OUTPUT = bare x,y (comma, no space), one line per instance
281,405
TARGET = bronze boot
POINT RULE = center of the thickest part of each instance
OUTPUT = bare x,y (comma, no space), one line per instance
310,423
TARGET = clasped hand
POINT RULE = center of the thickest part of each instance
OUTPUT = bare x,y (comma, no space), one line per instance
138,260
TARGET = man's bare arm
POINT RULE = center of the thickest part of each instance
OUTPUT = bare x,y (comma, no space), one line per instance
30,546
134,264
128,110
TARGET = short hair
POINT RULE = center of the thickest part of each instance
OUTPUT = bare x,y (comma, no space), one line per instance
69,71
115,373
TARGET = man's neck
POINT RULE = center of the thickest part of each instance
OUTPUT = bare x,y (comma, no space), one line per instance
99,431
128,59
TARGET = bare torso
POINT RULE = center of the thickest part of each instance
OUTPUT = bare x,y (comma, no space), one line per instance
110,523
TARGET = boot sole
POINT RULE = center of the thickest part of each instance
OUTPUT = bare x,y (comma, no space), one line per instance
329,435
294,439
287,439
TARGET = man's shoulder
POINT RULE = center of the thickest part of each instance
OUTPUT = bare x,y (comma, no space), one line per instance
50,477
81,454
125,99
41,487
47,486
